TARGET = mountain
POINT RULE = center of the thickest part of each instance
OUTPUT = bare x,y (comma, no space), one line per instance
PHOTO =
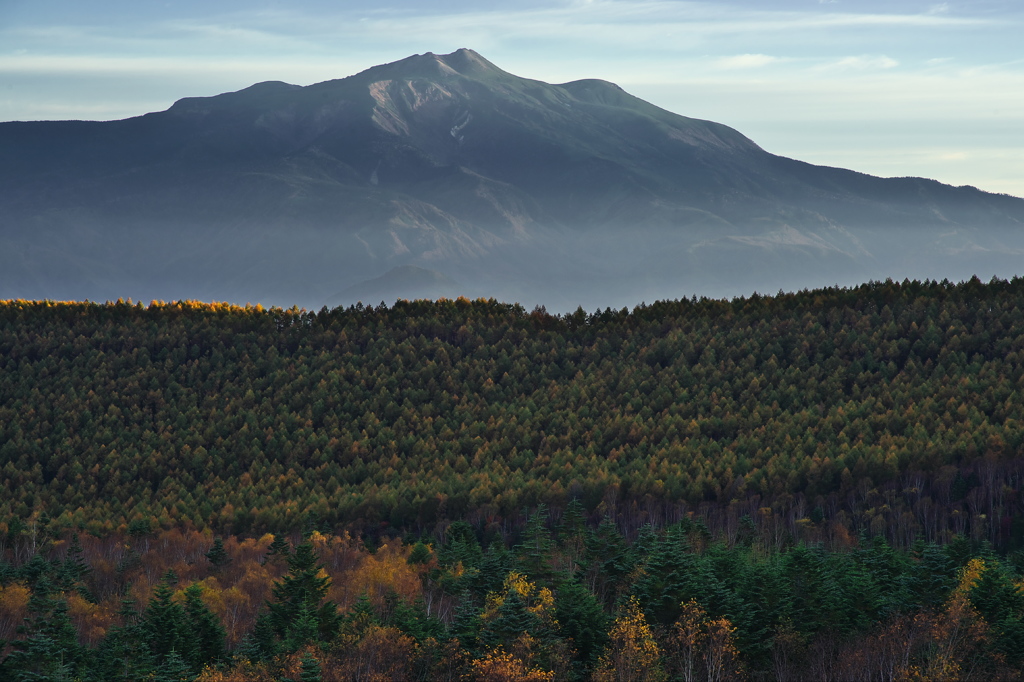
564,194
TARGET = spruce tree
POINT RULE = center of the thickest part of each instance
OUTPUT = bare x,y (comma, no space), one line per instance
206,635
164,622
303,590
174,669
513,619
49,649
278,548
467,622
310,670
217,555
125,653
535,550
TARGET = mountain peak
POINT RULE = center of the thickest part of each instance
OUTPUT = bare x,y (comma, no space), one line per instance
464,62
468,62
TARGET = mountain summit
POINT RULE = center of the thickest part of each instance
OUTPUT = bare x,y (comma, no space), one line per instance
566,194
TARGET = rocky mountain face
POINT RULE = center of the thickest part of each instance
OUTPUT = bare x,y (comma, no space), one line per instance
572,194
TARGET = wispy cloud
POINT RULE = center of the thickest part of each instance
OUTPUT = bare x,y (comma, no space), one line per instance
863,63
745,61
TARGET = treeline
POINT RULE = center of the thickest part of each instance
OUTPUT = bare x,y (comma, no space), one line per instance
561,600
890,408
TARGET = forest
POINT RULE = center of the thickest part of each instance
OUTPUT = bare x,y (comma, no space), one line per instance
816,485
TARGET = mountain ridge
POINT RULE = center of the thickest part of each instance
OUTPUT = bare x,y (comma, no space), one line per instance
569,194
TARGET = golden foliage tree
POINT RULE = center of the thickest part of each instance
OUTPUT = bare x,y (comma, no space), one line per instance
632,655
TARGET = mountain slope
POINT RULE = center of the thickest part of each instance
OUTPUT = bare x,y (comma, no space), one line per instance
563,194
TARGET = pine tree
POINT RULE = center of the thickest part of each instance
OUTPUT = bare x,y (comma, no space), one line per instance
163,622
174,669
535,550
217,555
466,623
73,570
310,670
206,636
49,649
302,591
581,620
125,654
278,548
513,619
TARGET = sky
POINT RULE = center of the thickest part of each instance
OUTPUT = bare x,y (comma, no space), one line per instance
891,88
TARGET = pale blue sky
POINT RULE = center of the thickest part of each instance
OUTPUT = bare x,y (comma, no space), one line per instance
889,88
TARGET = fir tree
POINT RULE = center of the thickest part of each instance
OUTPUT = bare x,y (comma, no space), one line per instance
164,622
206,634
310,670
302,591
49,648
279,549
174,669
217,555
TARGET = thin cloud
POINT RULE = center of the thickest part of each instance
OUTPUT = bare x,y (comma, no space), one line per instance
863,63
745,61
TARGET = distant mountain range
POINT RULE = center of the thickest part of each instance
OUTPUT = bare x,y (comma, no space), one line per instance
444,175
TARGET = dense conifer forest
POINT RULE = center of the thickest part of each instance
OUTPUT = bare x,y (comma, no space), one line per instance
820,485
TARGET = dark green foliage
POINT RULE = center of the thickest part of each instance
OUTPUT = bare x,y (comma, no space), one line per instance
205,640
163,623
888,406
125,652
299,613
279,547
932,576
608,559
360,618
513,619
310,671
420,554
73,570
668,576
217,555
534,552
467,622
174,669
582,621
48,648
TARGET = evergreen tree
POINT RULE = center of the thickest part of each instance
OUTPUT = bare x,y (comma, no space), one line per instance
206,636
217,555
301,592
174,669
607,556
49,649
466,623
163,623
513,619
582,621
73,570
310,670
668,577
279,548
534,552
125,654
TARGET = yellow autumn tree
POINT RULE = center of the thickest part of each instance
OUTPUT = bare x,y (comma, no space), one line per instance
957,635
538,601
632,654
703,648
13,608
499,666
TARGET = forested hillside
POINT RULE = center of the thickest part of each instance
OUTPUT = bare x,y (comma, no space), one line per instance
893,408
822,485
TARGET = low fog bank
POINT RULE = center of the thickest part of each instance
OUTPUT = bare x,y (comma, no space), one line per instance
559,269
